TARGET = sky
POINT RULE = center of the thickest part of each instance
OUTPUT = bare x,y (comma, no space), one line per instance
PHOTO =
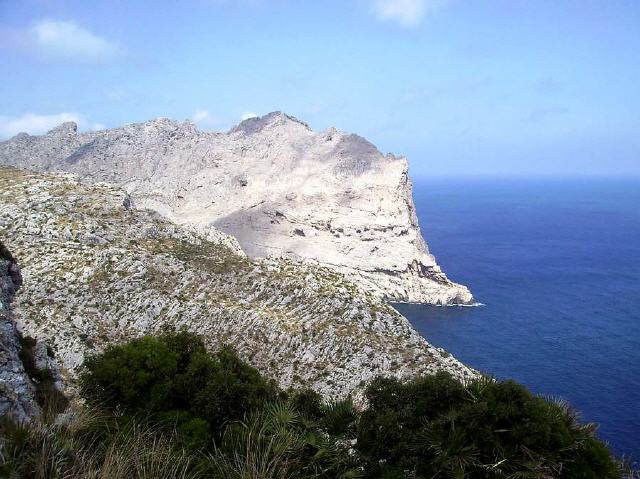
459,87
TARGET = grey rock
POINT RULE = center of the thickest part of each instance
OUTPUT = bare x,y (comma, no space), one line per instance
264,182
298,322
17,391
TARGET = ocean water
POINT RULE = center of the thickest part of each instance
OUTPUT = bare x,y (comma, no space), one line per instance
557,265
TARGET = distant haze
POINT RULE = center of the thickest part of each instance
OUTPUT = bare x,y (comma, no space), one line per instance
479,87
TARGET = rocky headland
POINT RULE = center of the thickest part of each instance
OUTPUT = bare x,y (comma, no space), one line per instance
278,187
81,269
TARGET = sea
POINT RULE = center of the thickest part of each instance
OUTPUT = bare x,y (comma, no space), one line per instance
556,265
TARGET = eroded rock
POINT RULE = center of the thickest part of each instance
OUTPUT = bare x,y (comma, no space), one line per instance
95,273
353,203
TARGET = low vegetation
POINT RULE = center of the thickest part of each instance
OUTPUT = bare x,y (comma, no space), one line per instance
164,407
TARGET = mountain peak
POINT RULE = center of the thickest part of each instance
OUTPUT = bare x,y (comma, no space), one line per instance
64,128
161,122
273,119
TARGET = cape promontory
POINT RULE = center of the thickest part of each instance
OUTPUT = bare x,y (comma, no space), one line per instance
280,188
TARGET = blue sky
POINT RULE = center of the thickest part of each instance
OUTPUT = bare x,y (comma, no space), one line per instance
498,87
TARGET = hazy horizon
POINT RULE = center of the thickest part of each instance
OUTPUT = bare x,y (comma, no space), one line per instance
481,88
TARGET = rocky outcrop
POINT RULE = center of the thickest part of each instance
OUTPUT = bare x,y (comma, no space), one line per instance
97,271
17,391
28,370
271,182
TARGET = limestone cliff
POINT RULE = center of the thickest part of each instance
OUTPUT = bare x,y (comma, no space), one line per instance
26,365
96,271
274,184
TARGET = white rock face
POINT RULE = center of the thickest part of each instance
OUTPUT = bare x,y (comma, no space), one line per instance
271,182
95,271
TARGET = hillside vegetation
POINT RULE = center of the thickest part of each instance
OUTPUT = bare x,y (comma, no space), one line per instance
164,407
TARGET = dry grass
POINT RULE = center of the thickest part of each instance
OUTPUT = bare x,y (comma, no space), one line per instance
90,446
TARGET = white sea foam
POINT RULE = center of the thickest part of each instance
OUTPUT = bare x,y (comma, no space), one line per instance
472,305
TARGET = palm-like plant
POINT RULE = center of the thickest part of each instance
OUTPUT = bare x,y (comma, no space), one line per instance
278,442
452,454
90,446
339,417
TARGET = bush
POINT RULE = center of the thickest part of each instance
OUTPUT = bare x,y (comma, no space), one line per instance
137,376
175,409
173,377
278,442
230,391
339,418
436,426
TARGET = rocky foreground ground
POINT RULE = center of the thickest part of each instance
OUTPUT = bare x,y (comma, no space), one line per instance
95,271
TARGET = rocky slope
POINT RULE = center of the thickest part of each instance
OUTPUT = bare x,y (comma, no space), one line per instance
26,367
97,271
274,184
17,391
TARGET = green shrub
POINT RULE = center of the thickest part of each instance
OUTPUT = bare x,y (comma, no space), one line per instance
308,402
137,376
278,442
175,410
231,390
339,418
173,376
435,426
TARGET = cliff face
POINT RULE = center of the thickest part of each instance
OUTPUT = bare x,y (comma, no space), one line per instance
96,271
21,358
17,392
274,184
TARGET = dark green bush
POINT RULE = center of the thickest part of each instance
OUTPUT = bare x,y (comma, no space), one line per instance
432,426
172,376
137,376
339,418
436,427
230,391
308,402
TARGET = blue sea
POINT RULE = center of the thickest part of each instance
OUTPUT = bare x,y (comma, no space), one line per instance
556,263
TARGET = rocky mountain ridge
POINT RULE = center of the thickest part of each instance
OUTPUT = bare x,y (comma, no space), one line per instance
271,182
96,271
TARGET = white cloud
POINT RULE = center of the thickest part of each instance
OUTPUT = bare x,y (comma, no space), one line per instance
32,123
201,115
67,40
36,124
247,115
205,120
407,13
